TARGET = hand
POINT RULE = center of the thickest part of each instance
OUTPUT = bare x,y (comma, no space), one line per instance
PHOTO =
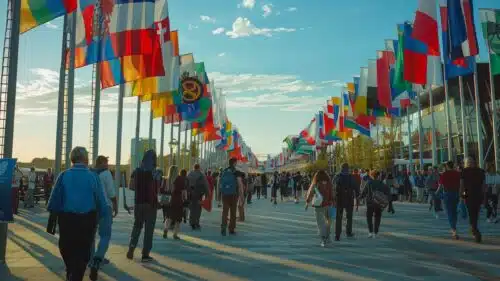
115,211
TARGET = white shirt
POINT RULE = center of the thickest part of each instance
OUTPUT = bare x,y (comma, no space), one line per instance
17,178
31,180
108,185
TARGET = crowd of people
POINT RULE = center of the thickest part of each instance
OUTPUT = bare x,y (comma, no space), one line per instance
83,201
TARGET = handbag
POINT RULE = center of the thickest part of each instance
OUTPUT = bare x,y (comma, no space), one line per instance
378,198
317,199
332,211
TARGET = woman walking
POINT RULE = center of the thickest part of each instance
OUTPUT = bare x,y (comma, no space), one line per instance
321,187
176,206
450,182
493,186
391,183
374,193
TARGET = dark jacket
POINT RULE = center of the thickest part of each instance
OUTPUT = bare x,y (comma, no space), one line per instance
346,189
374,185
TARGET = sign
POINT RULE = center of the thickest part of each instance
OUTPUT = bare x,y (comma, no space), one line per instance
6,176
191,89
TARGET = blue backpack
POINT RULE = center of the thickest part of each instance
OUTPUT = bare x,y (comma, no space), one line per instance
228,182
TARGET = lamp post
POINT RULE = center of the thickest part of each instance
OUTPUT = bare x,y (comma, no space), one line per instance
173,145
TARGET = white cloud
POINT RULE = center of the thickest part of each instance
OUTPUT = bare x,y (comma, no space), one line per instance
291,9
249,4
50,25
192,26
207,19
281,102
242,27
219,30
267,9
221,54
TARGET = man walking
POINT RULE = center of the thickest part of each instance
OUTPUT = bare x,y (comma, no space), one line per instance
472,190
29,198
105,224
199,187
346,189
232,191
48,181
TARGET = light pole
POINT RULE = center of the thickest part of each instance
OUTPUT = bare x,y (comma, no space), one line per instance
173,145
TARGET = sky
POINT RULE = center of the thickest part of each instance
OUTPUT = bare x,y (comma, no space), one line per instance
276,61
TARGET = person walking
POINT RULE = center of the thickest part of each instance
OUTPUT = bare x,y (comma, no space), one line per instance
391,183
250,188
472,191
374,193
347,191
179,185
321,187
16,186
77,203
104,224
232,190
449,182
258,186
297,187
419,180
275,184
29,197
48,181
431,184
145,182
198,186
493,185
264,185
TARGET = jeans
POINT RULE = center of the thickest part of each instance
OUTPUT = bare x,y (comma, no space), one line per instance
338,223
324,221
491,209
229,204
451,199
372,211
195,211
420,194
144,215
474,207
105,226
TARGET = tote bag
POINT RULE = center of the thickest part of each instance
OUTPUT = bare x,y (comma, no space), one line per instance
317,199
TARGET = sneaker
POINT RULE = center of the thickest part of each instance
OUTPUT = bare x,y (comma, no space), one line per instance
489,220
130,254
223,232
232,232
147,259
370,235
374,235
478,238
176,237
105,261
337,238
165,234
350,235
323,243
94,269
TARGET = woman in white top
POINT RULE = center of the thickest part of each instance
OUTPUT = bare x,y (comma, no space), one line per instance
29,197
493,185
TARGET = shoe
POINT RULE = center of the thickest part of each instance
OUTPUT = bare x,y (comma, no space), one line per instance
105,261
323,244
130,254
337,238
374,235
193,227
370,235
478,238
489,220
176,237
165,234
232,232
223,232
437,216
198,227
147,259
350,235
94,269
454,235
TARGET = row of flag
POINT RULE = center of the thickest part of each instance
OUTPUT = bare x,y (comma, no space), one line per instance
407,65
132,44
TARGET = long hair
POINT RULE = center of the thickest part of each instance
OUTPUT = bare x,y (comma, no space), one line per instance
149,160
173,173
321,176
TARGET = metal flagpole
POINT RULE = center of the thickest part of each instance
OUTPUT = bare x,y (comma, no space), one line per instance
433,128
186,148
449,129
162,144
71,91
401,146
494,120
478,120
410,145
462,116
420,134
137,134
171,158
119,124
60,100
179,141
97,99
150,140
10,104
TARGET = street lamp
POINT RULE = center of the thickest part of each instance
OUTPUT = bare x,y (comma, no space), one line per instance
173,145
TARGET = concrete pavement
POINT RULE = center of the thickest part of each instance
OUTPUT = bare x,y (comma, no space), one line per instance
276,243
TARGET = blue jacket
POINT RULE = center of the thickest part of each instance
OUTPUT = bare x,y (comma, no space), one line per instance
78,190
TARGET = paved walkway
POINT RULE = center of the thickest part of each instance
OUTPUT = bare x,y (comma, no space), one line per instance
276,243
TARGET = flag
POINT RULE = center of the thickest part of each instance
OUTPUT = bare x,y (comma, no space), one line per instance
461,28
372,73
309,133
399,82
415,58
37,12
490,22
384,61
127,29
457,67
360,107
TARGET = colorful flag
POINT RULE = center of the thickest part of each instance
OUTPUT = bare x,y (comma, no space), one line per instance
37,12
384,62
360,107
490,22
415,58
309,133
461,29
399,82
372,73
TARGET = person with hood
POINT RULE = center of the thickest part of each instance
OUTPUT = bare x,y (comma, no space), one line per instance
145,182
346,190
178,185
473,191
76,204
198,185
373,188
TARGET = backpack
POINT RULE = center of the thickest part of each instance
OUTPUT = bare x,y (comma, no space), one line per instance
377,197
343,185
228,183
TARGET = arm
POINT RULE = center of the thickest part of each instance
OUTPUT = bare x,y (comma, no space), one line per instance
241,189
111,192
309,194
55,201
100,197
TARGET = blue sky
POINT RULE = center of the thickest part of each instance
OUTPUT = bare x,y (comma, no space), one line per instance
277,62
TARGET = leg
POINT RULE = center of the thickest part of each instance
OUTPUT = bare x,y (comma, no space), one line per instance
494,199
338,221
137,228
451,203
149,228
378,218
66,245
349,212
473,208
369,218
225,210
85,238
321,214
233,203
177,229
105,228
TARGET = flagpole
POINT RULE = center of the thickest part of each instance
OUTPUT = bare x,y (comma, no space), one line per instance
433,132
420,134
179,141
162,144
150,140
137,134
494,119
186,148
401,146
61,102
478,120
448,119
410,145
119,129
171,143
71,91
462,116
